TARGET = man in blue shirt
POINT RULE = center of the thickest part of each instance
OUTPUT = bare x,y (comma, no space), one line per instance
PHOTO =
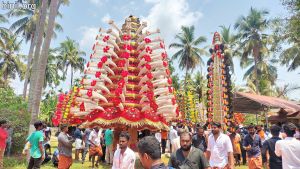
252,144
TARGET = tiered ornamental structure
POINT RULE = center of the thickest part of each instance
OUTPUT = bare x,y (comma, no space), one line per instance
127,82
219,107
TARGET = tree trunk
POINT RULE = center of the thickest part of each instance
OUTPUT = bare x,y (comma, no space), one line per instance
185,92
43,60
71,76
256,56
256,75
27,73
39,32
5,76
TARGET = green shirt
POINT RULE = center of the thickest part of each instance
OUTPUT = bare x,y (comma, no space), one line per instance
35,138
108,137
195,159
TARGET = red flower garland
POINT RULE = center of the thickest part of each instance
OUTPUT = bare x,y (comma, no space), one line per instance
106,38
126,37
105,49
147,40
98,74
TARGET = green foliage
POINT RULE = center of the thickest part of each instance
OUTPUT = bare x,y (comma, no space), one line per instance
52,73
251,119
70,56
188,53
14,162
287,33
230,41
25,22
48,106
10,57
255,44
294,21
175,77
14,110
10,101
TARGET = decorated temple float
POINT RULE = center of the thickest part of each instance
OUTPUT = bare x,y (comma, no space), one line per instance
219,95
126,84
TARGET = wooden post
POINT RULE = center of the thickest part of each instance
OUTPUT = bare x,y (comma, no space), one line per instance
256,119
133,138
266,116
116,134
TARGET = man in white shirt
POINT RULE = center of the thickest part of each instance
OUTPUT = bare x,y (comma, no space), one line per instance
289,148
176,142
158,136
95,148
124,157
172,136
219,149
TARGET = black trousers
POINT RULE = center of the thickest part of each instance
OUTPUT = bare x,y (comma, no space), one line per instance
163,145
244,156
35,163
104,151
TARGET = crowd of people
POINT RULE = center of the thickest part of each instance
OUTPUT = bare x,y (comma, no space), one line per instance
189,148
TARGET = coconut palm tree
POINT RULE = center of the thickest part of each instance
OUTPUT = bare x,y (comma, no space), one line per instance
291,57
10,59
39,68
251,34
265,69
41,56
25,26
52,76
189,53
3,30
175,82
199,84
291,35
230,44
38,40
70,56
175,77
286,89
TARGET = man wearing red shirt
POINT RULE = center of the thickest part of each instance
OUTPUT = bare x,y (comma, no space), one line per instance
3,137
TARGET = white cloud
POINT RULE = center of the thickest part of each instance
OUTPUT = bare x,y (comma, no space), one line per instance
151,1
170,15
106,18
88,36
96,2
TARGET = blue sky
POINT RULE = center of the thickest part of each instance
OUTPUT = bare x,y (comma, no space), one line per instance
82,19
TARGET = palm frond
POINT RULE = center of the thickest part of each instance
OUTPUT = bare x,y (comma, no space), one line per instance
18,23
3,19
176,45
199,40
177,54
